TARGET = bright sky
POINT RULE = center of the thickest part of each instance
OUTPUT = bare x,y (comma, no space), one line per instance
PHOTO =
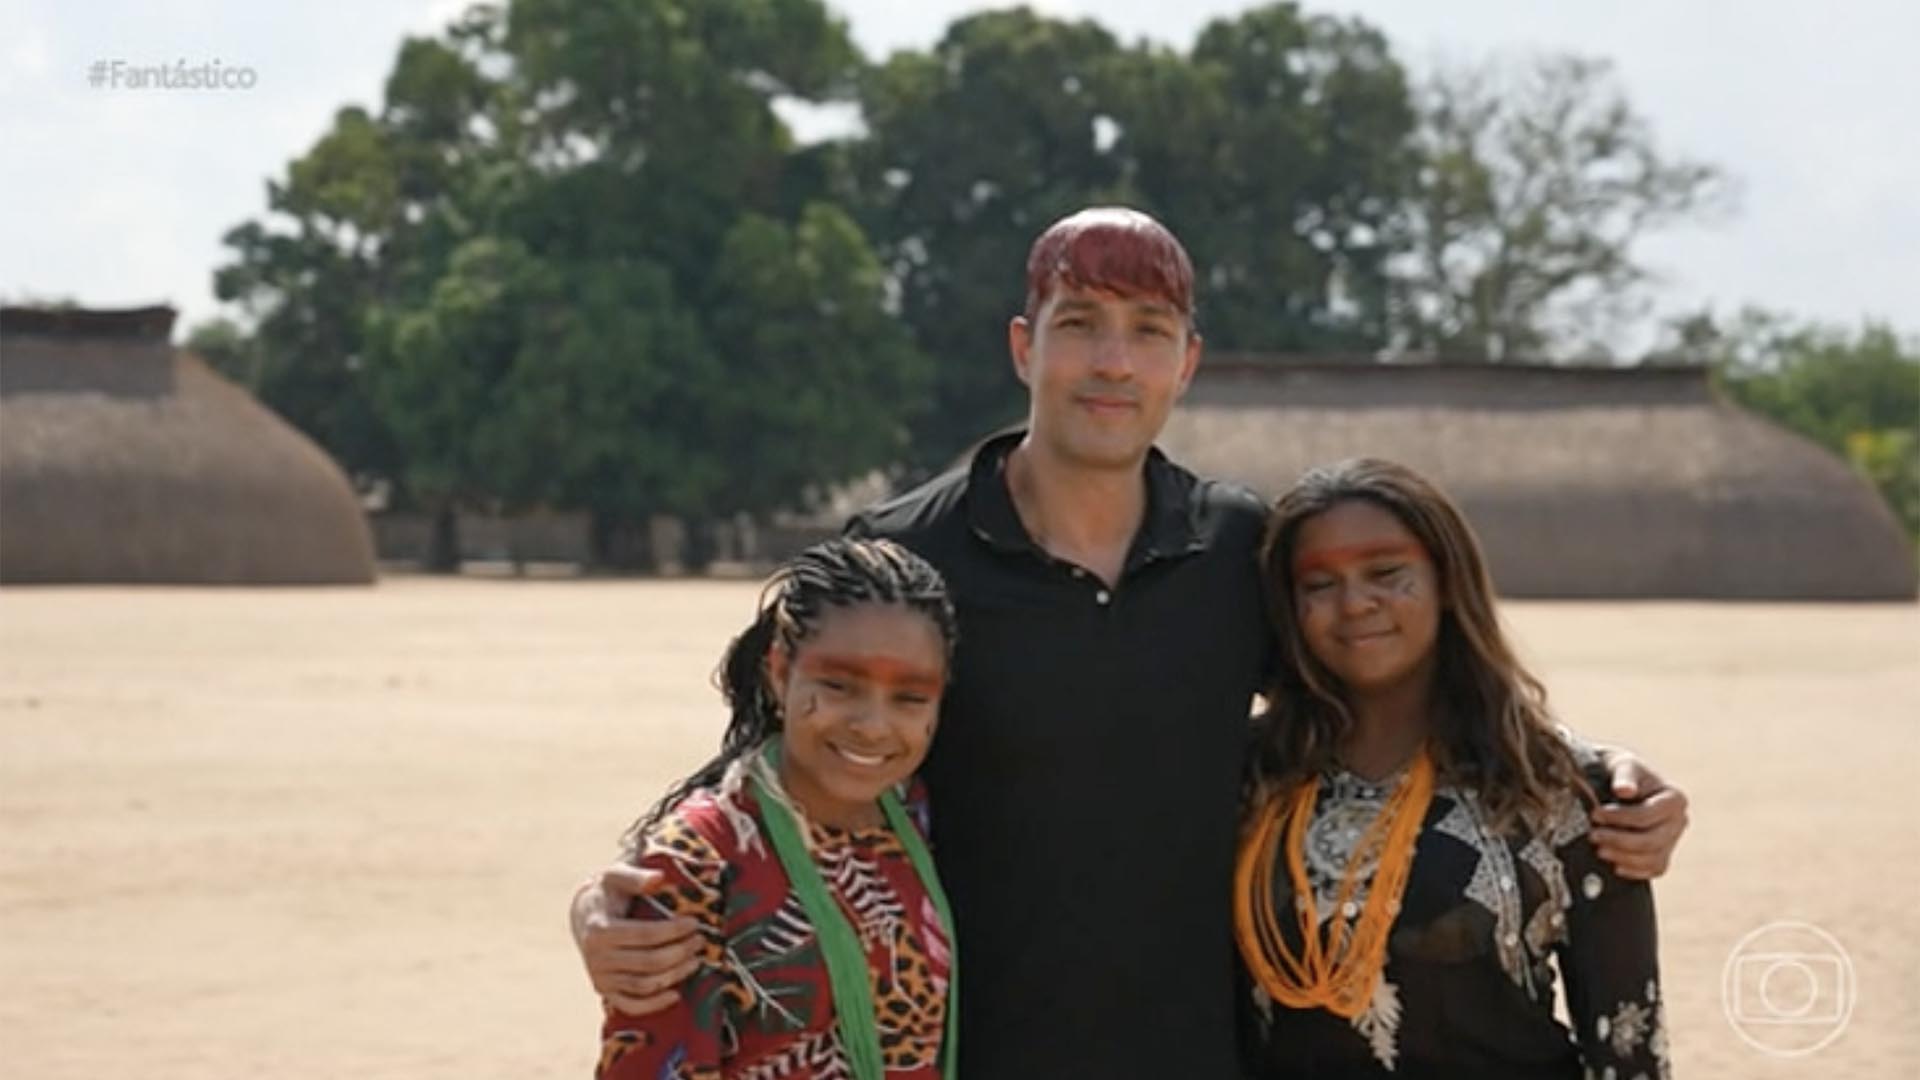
116,197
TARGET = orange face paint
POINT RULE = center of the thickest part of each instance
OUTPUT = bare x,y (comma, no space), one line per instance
1333,560
883,671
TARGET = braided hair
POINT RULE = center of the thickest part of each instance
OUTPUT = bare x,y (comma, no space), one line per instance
839,573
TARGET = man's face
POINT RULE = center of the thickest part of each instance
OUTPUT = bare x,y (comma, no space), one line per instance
1103,371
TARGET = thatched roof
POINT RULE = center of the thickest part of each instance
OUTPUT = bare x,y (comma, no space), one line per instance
1582,482
122,460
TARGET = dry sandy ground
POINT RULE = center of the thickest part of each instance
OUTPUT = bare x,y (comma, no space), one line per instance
331,833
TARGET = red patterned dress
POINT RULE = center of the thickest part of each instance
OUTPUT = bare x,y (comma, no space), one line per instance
760,1007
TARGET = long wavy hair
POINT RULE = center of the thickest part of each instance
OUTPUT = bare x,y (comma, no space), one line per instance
1492,729
839,573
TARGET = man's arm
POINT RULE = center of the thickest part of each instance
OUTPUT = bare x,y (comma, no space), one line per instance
636,965
1638,831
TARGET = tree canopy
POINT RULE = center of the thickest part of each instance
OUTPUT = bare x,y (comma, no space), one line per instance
576,259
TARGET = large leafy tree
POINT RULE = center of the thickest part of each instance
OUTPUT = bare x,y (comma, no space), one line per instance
305,280
762,361
523,381
1278,150
656,117
577,260
585,267
971,149
818,375
367,216
1535,181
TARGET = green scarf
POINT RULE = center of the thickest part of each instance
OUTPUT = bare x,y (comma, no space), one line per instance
847,971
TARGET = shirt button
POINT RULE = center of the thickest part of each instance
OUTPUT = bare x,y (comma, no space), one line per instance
1079,572
1103,596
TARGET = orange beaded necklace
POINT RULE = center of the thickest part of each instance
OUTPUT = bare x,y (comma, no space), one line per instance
1340,973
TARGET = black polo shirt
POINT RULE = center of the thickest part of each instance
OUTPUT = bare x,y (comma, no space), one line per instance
1085,778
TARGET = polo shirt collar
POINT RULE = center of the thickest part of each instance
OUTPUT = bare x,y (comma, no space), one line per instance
1171,526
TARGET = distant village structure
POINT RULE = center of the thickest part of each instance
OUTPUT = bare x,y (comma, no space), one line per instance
1615,483
124,460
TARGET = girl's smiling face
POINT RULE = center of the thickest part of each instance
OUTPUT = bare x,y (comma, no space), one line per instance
860,697
1366,595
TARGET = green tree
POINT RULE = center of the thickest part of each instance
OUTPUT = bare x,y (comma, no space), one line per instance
1278,150
655,118
303,282
657,141
545,247
970,150
436,370
1534,183
366,216
821,380
521,382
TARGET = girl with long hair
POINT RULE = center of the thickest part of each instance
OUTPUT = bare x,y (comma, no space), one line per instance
1415,867
828,941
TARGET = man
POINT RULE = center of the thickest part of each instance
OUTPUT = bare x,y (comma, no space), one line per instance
1086,778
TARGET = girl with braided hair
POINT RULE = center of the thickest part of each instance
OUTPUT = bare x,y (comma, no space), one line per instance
828,942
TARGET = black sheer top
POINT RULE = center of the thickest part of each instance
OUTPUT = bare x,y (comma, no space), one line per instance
1486,924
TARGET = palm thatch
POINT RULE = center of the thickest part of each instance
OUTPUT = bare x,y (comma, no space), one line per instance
1581,482
122,460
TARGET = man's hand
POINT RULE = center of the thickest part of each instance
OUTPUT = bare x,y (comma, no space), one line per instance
636,965
1639,834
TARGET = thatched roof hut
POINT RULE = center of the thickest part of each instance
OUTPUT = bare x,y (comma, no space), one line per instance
1582,482
122,460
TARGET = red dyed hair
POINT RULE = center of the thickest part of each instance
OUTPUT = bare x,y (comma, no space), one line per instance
1114,249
